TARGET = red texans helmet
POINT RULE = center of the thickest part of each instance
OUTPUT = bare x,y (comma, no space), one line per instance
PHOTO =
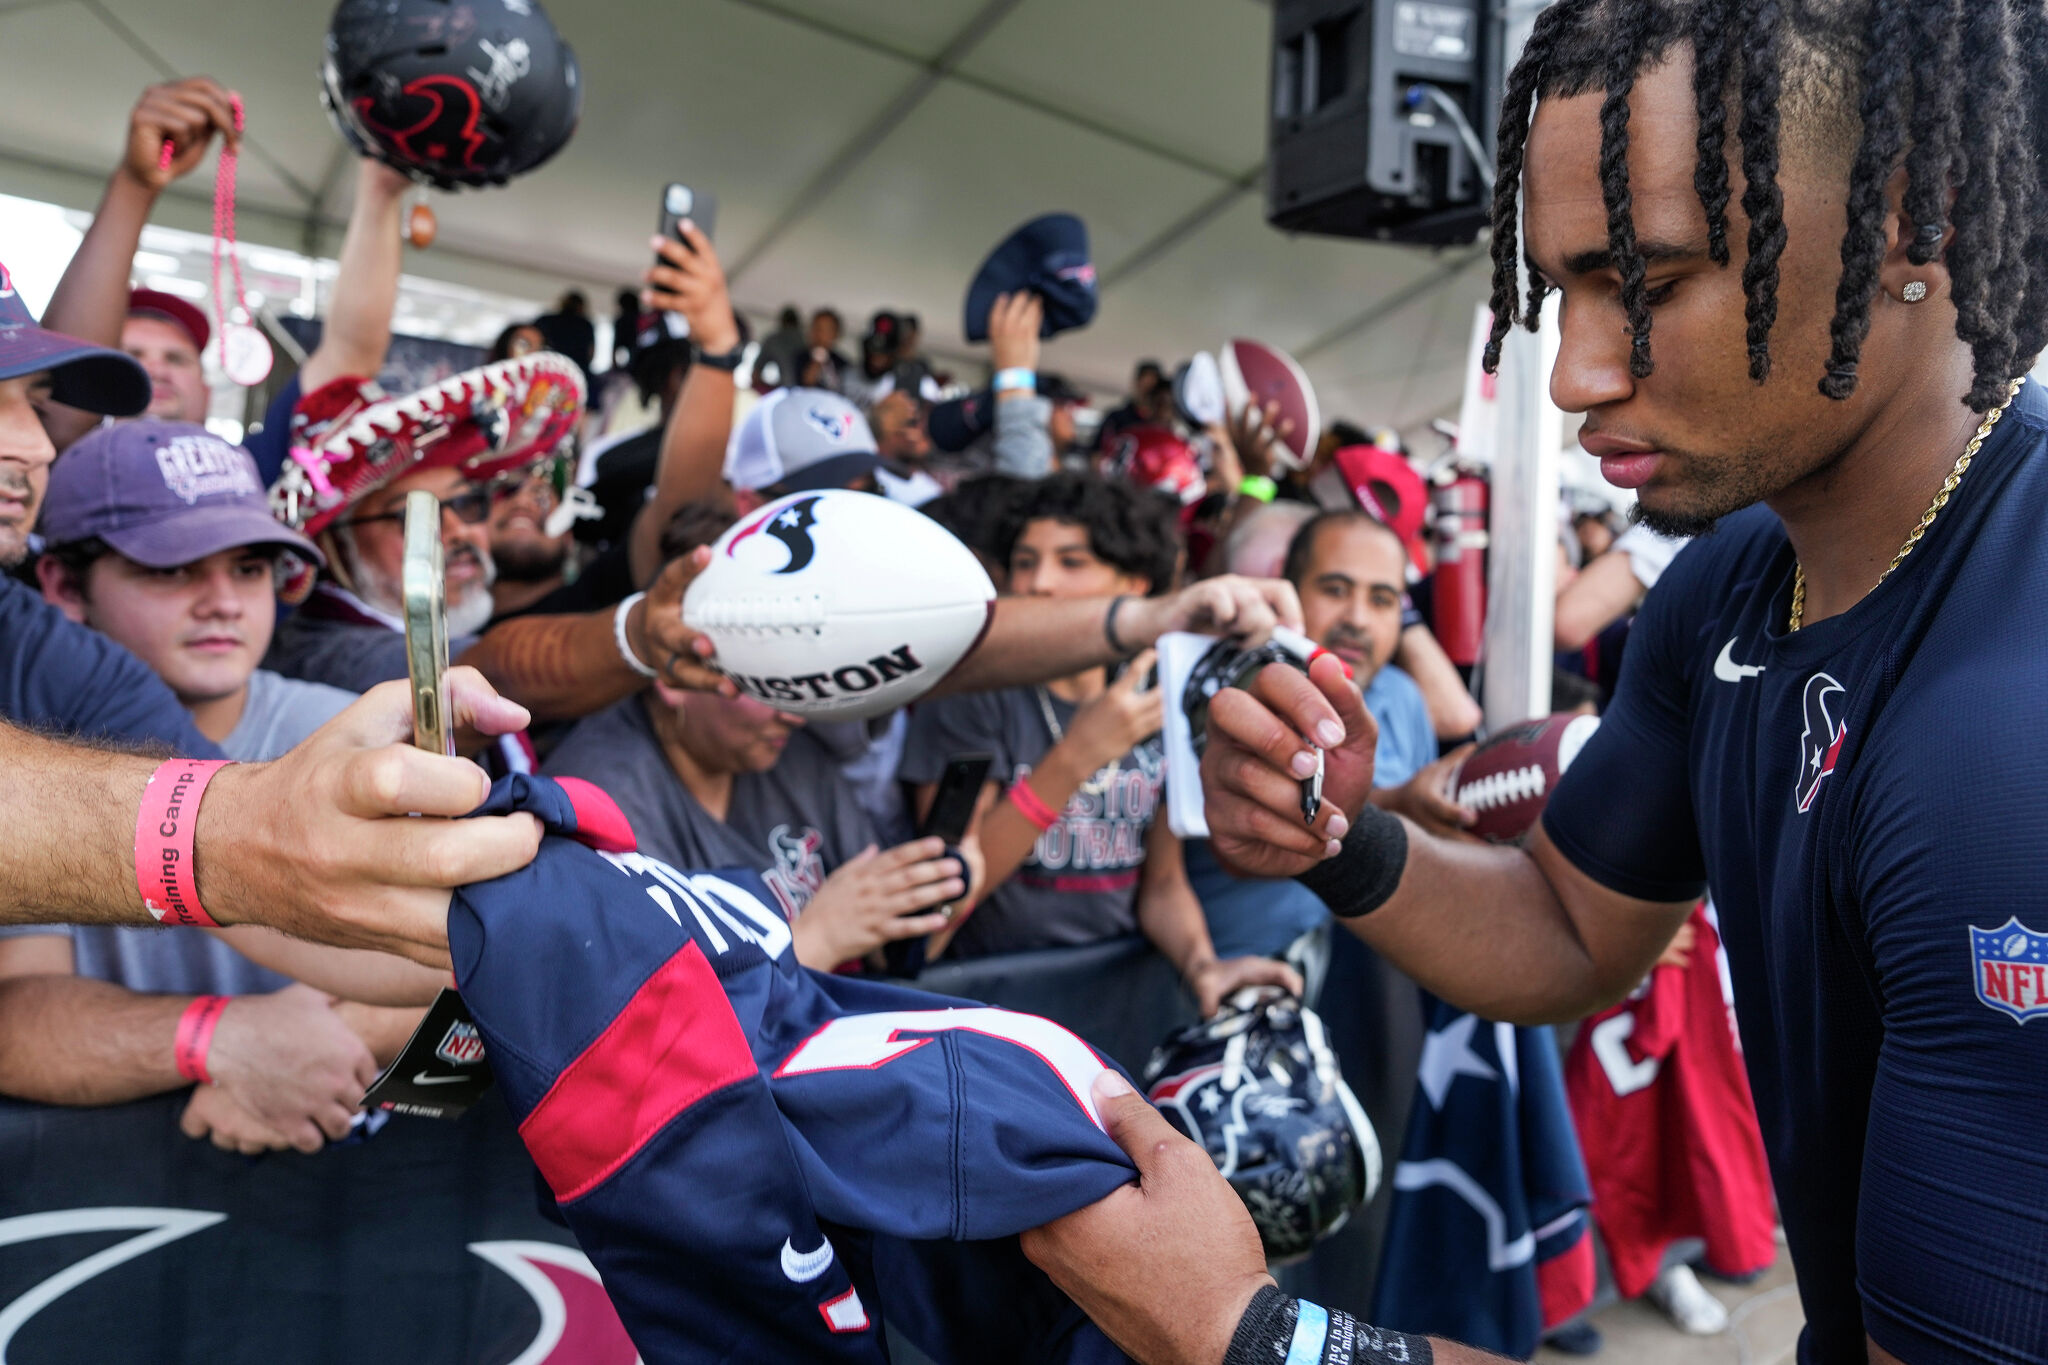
1154,457
469,93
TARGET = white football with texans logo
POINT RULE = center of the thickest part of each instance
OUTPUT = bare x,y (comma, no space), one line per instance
1507,779
839,605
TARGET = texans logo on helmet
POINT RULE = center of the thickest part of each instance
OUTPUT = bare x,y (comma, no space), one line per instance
2010,967
1820,743
447,132
792,526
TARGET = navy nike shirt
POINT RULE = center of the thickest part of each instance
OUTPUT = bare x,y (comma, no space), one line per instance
1868,799
762,1161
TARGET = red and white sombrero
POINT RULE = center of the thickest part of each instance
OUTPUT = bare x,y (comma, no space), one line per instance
348,440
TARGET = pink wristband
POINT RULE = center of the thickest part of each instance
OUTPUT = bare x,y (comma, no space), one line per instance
163,841
1032,806
195,1037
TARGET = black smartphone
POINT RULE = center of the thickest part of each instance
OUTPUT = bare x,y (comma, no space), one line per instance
679,201
952,808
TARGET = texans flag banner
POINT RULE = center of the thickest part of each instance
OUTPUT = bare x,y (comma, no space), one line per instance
1488,1241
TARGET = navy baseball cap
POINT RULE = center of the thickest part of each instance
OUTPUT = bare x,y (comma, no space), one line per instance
163,494
1047,256
82,375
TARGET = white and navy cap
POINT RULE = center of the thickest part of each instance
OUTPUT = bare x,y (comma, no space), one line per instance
800,439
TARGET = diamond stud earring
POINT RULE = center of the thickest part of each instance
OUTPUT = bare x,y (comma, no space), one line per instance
1914,291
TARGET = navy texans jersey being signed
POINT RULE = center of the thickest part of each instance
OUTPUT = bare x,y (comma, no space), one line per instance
761,1160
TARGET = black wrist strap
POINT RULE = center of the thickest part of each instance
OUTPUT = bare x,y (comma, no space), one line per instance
723,360
1116,646
1267,1335
1366,870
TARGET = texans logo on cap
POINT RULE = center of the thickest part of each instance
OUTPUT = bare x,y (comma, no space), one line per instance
837,426
1079,274
6,282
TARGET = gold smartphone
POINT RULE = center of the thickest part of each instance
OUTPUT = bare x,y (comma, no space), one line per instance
426,624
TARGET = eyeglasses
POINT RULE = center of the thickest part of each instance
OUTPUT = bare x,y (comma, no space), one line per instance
471,509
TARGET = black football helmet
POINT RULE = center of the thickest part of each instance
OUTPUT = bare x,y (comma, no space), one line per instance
1259,1088
451,92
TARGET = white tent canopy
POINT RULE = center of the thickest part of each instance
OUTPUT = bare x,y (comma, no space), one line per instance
865,154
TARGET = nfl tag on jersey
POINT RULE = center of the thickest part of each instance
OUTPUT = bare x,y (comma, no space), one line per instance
442,1070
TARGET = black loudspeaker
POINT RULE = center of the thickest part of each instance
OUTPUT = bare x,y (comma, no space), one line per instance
1356,144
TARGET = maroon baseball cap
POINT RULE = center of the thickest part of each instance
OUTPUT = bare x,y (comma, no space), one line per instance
171,308
82,375
163,494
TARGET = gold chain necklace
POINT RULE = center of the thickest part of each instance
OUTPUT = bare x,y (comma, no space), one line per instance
1941,497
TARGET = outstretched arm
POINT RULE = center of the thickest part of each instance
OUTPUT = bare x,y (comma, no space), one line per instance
692,283
91,301
1522,936
357,332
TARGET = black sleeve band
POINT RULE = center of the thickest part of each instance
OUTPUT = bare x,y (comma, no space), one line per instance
1264,1330
1367,868
1266,1336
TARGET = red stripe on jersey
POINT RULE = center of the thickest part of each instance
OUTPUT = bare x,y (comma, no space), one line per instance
675,1042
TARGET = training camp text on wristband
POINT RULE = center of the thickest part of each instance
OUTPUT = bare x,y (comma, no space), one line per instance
1259,487
164,826
626,653
195,1037
1366,870
1310,1334
1016,377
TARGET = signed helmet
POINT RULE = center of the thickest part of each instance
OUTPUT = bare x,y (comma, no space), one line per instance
470,93
1259,1088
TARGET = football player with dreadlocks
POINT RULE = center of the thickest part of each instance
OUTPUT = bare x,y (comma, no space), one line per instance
1802,248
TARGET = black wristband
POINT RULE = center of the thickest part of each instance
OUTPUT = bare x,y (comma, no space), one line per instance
1116,646
1267,1324
1266,1335
1367,868
723,360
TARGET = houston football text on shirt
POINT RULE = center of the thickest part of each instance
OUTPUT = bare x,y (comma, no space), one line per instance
1100,832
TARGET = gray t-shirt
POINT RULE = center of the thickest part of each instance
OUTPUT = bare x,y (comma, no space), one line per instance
278,714
795,823
1080,882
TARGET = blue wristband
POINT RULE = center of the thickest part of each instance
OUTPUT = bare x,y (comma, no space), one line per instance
1311,1327
1017,377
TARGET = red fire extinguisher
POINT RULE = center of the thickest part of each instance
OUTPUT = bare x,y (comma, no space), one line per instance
1459,496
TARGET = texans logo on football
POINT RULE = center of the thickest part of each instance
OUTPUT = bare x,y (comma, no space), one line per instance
1820,743
792,526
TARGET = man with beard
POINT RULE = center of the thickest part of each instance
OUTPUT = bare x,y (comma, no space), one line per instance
530,562
351,632
1347,569
1831,216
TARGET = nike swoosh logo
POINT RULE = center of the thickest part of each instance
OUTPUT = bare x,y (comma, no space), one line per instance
804,1266
1727,670
422,1078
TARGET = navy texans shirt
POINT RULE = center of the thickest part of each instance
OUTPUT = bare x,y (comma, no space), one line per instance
1868,799
763,1161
